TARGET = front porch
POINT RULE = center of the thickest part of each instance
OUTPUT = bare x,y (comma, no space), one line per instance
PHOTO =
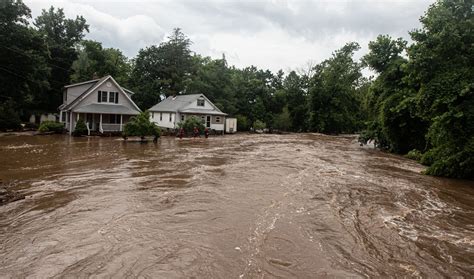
96,123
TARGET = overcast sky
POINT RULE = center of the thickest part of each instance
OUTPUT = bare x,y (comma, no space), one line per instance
269,34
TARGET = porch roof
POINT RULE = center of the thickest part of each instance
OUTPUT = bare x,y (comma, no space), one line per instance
106,109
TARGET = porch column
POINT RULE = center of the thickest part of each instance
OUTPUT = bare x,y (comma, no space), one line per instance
100,123
70,122
60,116
121,122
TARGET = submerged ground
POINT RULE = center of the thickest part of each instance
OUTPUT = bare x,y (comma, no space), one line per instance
241,206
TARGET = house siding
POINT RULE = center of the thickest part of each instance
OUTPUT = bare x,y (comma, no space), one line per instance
92,98
165,119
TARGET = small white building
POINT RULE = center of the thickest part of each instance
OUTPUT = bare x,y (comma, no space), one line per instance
174,109
231,125
102,103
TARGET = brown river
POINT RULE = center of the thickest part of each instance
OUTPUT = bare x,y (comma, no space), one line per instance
238,206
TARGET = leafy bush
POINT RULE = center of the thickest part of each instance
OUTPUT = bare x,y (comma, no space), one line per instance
242,123
282,121
51,126
9,118
141,126
414,155
259,125
189,124
81,128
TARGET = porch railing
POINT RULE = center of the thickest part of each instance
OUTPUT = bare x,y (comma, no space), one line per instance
106,127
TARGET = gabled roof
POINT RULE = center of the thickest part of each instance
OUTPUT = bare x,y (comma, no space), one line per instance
178,104
94,85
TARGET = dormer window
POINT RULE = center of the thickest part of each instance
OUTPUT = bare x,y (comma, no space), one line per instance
200,102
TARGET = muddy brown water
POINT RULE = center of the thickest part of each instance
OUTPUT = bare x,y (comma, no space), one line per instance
241,206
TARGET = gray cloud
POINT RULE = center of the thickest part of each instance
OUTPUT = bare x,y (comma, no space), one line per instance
268,33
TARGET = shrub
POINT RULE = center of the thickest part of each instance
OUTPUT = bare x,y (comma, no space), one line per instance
80,129
51,126
9,117
259,125
414,155
242,123
282,121
189,124
141,126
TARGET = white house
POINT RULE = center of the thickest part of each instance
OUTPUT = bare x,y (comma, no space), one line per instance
102,103
174,109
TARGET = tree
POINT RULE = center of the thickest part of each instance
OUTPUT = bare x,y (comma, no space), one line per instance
141,126
333,102
393,114
297,101
282,121
162,70
23,68
94,60
441,69
61,36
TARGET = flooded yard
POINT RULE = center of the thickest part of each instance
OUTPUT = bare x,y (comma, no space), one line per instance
241,206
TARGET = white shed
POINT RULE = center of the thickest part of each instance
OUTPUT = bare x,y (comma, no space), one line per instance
231,125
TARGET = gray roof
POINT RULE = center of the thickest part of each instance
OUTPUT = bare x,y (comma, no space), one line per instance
107,109
178,103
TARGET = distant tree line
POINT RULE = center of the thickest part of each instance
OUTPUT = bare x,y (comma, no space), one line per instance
421,98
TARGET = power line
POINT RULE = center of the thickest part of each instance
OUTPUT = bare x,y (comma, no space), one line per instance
29,56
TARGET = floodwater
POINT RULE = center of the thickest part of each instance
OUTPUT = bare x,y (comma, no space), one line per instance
238,206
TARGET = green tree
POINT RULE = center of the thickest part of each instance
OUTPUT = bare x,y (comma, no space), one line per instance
393,114
61,36
297,102
333,88
282,121
94,60
441,60
141,126
23,68
162,70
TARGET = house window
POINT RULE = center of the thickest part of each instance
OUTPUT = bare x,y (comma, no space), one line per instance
218,119
63,115
182,117
203,119
171,117
112,97
161,116
152,115
200,102
103,96
114,118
